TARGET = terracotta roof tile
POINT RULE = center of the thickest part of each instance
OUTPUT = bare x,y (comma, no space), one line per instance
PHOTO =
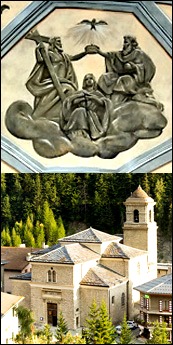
16,257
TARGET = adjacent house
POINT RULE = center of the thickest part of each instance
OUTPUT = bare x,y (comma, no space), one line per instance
3,262
15,261
93,264
9,319
164,268
156,301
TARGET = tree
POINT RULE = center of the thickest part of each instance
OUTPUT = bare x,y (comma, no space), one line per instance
40,234
100,328
29,238
5,237
73,339
159,334
47,334
61,230
26,322
106,331
62,328
92,323
16,240
126,336
5,211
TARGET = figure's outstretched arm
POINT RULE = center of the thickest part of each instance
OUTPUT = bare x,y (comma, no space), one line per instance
77,56
90,49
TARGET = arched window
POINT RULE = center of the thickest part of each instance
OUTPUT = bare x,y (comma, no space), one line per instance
136,216
49,276
123,299
54,276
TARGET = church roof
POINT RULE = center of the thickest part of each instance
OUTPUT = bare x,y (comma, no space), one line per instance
69,254
90,235
139,195
118,250
158,286
102,276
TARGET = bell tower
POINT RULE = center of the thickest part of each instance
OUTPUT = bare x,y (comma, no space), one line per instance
140,229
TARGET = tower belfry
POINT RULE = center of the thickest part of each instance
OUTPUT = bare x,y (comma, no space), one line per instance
140,229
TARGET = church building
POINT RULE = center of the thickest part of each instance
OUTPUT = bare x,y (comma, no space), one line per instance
93,264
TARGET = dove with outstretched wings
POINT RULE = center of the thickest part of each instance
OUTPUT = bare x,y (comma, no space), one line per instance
92,23
89,32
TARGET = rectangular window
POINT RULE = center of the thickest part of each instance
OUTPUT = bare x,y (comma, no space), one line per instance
165,305
146,303
112,299
142,302
77,322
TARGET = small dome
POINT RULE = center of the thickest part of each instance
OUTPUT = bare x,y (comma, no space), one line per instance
139,193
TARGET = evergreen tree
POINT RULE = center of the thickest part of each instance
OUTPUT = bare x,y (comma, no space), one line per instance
6,238
47,334
72,339
62,328
40,237
106,331
16,240
16,199
45,219
5,211
60,226
29,238
159,334
52,229
29,223
92,323
160,200
19,228
126,336
37,201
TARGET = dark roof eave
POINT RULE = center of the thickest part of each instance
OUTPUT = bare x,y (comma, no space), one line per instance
82,241
114,257
154,293
14,269
52,262
97,285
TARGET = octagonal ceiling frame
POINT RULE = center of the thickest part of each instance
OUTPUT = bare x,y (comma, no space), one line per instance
154,20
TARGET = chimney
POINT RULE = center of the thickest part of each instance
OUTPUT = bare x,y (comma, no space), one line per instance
28,257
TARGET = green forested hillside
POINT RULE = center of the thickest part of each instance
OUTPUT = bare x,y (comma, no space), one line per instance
38,208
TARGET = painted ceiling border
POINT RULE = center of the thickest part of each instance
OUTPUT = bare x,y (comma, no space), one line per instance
155,21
